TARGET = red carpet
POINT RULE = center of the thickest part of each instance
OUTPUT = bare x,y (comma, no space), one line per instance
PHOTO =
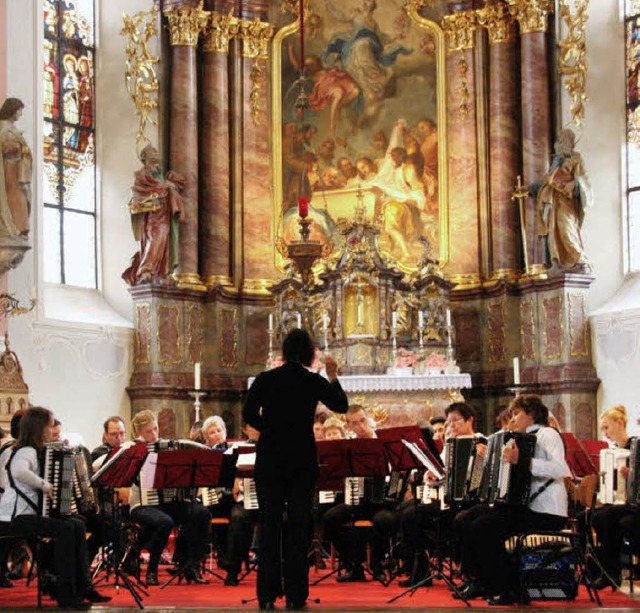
331,594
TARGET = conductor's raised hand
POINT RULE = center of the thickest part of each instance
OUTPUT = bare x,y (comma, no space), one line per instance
331,368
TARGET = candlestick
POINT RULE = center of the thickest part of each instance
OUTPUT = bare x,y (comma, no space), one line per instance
325,330
420,320
196,403
298,320
448,318
516,371
394,319
303,206
196,375
270,356
270,322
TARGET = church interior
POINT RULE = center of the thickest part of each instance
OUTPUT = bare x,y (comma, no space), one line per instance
447,203
219,103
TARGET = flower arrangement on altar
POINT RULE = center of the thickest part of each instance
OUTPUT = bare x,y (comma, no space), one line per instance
408,361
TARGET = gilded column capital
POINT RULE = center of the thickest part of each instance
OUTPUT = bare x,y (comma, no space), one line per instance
499,22
256,35
219,31
460,29
532,15
185,24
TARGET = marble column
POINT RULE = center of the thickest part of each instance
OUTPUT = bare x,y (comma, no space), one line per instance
258,231
504,142
215,152
532,16
185,25
464,260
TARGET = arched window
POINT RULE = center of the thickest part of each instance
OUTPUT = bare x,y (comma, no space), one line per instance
69,182
632,48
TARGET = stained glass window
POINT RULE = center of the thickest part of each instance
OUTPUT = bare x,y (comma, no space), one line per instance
632,49
69,143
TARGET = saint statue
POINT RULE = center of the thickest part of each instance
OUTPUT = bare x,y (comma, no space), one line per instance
561,199
17,168
156,208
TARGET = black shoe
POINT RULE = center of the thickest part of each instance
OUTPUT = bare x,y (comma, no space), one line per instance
232,579
152,577
193,575
173,571
501,600
74,604
602,582
267,606
379,575
292,606
471,592
93,596
5,581
356,574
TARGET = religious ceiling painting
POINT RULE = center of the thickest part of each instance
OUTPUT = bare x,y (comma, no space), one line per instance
362,128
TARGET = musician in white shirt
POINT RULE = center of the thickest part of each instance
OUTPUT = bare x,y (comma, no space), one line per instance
547,508
612,522
20,505
160,519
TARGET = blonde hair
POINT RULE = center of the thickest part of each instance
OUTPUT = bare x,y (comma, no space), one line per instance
332,422
141,419
617,413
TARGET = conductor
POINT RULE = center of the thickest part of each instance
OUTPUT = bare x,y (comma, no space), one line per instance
281,404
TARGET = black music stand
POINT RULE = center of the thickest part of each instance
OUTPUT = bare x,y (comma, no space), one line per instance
119,470
192,468
344,458
431,463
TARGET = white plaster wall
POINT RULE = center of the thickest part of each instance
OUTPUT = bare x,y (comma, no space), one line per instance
75,347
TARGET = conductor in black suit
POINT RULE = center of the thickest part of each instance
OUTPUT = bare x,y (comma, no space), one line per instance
281,404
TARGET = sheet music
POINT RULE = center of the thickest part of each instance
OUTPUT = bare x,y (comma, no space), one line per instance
148,471
114,458
424,459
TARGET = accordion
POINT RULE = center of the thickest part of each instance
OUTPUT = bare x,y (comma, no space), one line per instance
613,488
503,482
57,466
83,493
633,483
464,468
358,490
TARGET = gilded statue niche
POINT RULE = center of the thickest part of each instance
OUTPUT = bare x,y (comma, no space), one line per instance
360,308
373,132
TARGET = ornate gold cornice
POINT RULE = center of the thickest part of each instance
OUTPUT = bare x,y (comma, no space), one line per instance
185,24
219,31
499,23
256,35
460,29
532,15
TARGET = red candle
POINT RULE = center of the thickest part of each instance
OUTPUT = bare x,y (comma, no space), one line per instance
303,206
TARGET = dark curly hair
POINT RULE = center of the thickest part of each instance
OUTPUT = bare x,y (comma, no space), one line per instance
531,405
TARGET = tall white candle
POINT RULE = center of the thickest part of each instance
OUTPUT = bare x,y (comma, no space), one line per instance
196,375
298,320
448,318
394,319
325,323
270,322
516,371
420,320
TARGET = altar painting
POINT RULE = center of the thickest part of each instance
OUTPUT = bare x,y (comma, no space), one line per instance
372,135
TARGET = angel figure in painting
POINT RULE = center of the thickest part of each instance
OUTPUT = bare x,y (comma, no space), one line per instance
156,208
362,53
561,199
17,168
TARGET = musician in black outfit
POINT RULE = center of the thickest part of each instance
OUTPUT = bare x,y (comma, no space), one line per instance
546,510
351,543
425,525
281,404
612,522
20,506
114,433
192,517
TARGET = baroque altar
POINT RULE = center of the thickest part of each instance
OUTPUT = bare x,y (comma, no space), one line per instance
377,323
